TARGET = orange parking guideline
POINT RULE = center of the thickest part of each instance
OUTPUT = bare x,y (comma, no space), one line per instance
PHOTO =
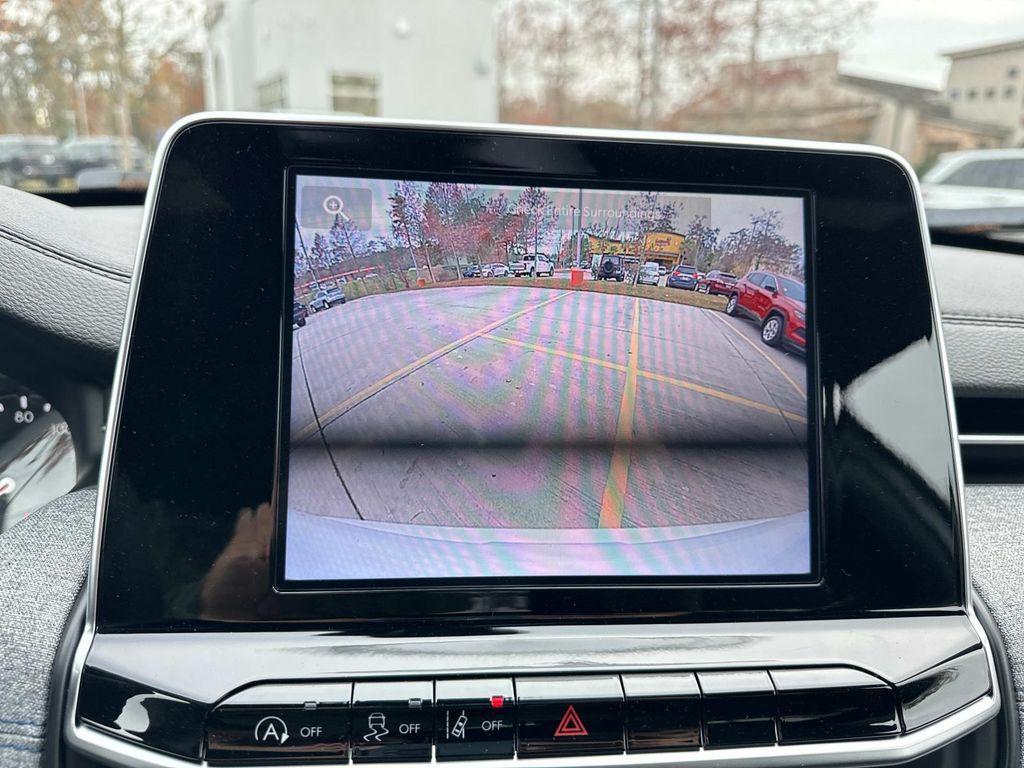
369,391
614,498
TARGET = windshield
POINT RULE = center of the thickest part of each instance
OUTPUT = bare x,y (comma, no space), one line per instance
101,81
793,289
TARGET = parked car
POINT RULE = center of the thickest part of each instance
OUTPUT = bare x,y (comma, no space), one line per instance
299,314
473,270
648,274
610,266
716,283
496,270
31,162
777,302
974,189
534,265
327,298
662,270
103,152
683,276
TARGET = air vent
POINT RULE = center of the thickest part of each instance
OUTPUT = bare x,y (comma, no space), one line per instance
991,439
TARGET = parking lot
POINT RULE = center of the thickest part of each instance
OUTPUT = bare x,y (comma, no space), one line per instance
513,407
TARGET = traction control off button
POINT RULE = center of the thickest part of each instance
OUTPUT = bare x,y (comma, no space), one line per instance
392,721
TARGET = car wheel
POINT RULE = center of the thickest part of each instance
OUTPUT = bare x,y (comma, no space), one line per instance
771,330
733,306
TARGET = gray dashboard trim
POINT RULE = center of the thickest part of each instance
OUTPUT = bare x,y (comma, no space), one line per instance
848,753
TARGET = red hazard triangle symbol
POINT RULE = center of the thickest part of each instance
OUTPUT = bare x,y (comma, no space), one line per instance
571,724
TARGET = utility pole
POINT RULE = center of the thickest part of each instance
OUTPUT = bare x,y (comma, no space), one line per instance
122,84
750,105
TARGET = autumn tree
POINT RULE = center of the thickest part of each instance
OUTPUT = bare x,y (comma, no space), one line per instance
539,217
407,220
762,245
702,240
344,239
94,66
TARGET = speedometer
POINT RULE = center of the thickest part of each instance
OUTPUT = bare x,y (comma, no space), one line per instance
37,456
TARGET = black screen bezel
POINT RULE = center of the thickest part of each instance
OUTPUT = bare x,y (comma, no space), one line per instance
278,553
191,457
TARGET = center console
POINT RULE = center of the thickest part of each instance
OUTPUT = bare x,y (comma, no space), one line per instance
453,443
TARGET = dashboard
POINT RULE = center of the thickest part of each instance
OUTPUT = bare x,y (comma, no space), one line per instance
404,473
37,457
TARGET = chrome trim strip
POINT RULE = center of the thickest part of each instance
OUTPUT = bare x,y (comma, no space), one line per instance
846,753
986,439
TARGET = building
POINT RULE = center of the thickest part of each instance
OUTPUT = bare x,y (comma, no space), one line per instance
809,97
662,247
387,58
986,83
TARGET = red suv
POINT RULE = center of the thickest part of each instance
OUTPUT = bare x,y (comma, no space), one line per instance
717,283
777,302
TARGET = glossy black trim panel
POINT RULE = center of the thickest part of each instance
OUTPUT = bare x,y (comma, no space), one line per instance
140,714
944,689
829,704
895,649
191,492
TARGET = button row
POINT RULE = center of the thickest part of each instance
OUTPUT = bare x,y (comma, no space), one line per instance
549,716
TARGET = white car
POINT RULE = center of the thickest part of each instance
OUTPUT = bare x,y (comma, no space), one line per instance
495,270
648,274
976,187
534,265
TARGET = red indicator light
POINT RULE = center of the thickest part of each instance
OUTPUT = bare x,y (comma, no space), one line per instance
497,702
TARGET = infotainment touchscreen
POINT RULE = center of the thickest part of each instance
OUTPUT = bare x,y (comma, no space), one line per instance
542,382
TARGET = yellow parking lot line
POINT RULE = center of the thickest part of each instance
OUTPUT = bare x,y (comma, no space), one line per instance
369,391
728,397
761,352
681,383
557,352
614,498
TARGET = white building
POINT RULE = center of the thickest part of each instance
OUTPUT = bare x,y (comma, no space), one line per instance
986,84
386,58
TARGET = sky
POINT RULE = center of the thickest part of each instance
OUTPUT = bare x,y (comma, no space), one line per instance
904,39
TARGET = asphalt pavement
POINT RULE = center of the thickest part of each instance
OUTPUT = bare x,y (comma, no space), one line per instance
512,407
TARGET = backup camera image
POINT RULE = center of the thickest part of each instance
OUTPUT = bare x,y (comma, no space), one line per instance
508,381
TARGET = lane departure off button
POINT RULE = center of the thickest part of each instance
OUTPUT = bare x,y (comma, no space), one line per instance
569,715
475,719
392,721
281,721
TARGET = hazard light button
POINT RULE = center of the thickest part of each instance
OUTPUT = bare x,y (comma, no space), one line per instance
569,715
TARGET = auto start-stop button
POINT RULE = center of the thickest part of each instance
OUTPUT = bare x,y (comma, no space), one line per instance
276,721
